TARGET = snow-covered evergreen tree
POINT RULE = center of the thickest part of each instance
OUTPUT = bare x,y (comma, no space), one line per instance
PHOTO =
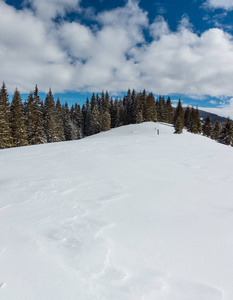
34,119
50,118
179,114
216,131
6,140
150,109
188,118
226,135
169,111
207,127
17,121
59,117
78,120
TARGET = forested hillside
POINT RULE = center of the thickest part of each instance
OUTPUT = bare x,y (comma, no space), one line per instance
37,122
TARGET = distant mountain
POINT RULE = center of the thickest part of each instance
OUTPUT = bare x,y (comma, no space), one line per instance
203,114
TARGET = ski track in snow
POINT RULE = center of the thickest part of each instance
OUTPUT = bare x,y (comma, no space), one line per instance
94,219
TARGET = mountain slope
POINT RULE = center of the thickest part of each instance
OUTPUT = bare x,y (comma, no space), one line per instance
125,214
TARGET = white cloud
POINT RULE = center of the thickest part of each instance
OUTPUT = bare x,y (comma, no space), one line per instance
159,28
184,62
225,4
49,9
28,54
214,102
114,56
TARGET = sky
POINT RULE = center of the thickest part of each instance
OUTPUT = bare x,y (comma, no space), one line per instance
179,48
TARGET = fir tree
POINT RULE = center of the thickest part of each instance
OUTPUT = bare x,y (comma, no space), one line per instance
128,105
178,125
138,117
207,127
188,118
216,131
78,120
17,121
105,102
122,112
179,114
169,111
143,101
34,119
95,124
198,121
161,109
112,112
195,126
86,111
115,118
133,106
60,125
70,131
226,135
106,121
50,118
93,102
6,140
150,109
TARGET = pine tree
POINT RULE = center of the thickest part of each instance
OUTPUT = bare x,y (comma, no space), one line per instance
115,118
133,106
50,118
95,124
216,131
17,121
143,104
128,105
207,127
86,111
105,102
195,126
112,112
178,125
122,113
226,135
179,114
169,110
59,117
93,102
70,130
6,140
34,119
138,118
29,116
161,109
106,122
78,120
187,118
150,109
198,121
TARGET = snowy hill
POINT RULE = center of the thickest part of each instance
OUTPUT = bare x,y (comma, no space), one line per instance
125,214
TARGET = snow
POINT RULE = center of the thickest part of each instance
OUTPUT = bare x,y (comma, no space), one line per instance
125,214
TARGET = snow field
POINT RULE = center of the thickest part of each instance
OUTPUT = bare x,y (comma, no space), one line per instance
125,214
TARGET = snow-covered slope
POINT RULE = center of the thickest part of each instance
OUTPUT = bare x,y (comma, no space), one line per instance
126,214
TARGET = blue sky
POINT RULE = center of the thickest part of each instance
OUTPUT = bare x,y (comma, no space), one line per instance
179,48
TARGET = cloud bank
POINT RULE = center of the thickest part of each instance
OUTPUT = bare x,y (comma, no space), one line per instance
113,55
225,4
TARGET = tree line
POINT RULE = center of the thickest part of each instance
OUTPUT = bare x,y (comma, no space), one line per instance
37,122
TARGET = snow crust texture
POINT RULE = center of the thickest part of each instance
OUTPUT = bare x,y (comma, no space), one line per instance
122,215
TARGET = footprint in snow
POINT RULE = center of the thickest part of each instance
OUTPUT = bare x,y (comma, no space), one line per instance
2,284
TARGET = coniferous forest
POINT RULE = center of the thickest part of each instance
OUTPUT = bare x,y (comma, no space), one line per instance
37,122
